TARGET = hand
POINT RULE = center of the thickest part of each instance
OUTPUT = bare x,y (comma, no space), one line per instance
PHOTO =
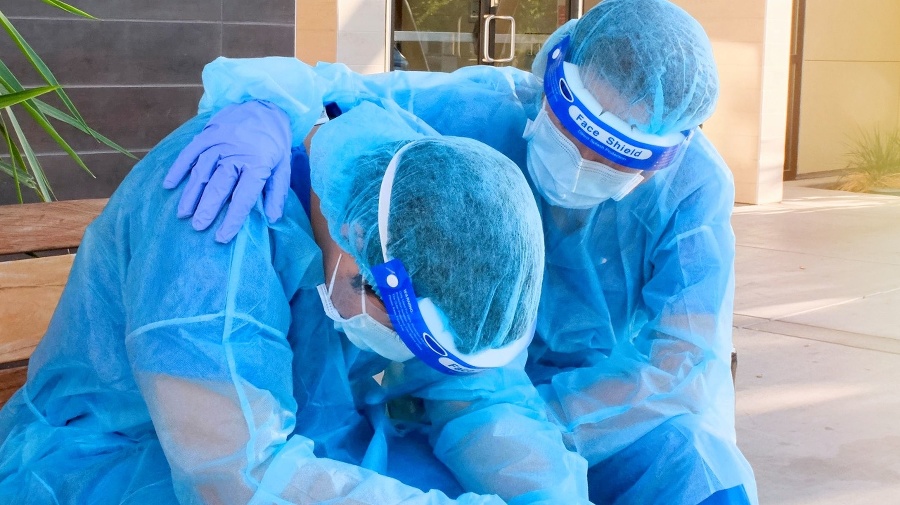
244,150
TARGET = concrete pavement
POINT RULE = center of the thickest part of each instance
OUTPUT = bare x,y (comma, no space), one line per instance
817,329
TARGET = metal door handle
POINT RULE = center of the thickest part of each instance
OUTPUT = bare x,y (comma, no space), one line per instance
512,38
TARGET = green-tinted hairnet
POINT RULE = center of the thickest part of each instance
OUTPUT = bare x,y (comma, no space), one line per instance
651,52
462,220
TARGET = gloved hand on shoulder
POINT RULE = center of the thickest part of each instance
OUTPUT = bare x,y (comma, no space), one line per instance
243,152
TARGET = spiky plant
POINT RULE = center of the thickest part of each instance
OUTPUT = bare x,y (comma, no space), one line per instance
17,158
873,162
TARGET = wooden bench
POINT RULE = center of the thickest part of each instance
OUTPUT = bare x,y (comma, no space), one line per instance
30,288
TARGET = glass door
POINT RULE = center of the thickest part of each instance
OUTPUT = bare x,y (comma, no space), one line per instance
443,35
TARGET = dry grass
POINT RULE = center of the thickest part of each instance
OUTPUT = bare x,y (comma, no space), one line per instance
864,183
872,162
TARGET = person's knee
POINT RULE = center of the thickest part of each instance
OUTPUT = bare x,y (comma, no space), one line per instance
666,465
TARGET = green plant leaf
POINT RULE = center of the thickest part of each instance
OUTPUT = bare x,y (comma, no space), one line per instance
9,81
39,65
8,100
42,121
15,157
68,8
57,114
18,175
36,170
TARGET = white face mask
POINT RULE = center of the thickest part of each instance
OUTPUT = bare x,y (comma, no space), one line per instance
363,330
563,177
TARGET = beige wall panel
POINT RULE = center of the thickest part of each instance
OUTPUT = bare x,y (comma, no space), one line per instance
772,115
837,98
367,69
361,48
737,112
705,10
316,25
743,153
316,14
316,45
726,122
854,30
745,192
740,82
770,182
740,36
362,15
362,33
726,30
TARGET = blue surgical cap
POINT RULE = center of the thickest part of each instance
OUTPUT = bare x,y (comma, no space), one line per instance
653,53
462,220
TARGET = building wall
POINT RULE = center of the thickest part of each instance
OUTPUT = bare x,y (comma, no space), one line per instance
751,44
850,77
363,35
353,32
135,75
317,25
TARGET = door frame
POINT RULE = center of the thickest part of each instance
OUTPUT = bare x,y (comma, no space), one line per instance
792,133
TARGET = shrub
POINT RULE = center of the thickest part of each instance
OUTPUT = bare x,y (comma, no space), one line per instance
873,162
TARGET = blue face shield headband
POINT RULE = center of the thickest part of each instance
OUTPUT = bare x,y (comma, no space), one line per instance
422,326
601,131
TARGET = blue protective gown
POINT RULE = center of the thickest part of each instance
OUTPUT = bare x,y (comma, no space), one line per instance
633,342
172,376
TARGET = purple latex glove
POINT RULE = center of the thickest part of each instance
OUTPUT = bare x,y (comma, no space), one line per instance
244,150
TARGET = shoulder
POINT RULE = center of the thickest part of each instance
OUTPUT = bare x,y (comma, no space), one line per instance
702,180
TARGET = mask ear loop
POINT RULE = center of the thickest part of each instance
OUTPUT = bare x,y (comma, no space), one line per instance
334,275
362,299
325,295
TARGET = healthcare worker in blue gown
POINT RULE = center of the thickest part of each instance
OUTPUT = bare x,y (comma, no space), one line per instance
179,370
633,341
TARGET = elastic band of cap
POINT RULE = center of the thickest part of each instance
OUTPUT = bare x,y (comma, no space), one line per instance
384,198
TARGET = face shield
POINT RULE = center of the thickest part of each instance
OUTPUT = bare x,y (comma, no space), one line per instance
600,130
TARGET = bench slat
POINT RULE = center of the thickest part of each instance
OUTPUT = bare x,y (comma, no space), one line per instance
46,226
29,292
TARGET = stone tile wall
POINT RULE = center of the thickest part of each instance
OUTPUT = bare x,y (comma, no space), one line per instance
134,75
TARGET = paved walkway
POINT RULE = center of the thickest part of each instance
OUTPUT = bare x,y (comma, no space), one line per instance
817,328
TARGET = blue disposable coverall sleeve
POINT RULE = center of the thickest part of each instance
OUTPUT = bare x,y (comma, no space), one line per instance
491,430
207,344
300,90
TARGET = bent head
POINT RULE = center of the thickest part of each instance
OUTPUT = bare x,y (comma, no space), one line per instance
458,215
626,84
